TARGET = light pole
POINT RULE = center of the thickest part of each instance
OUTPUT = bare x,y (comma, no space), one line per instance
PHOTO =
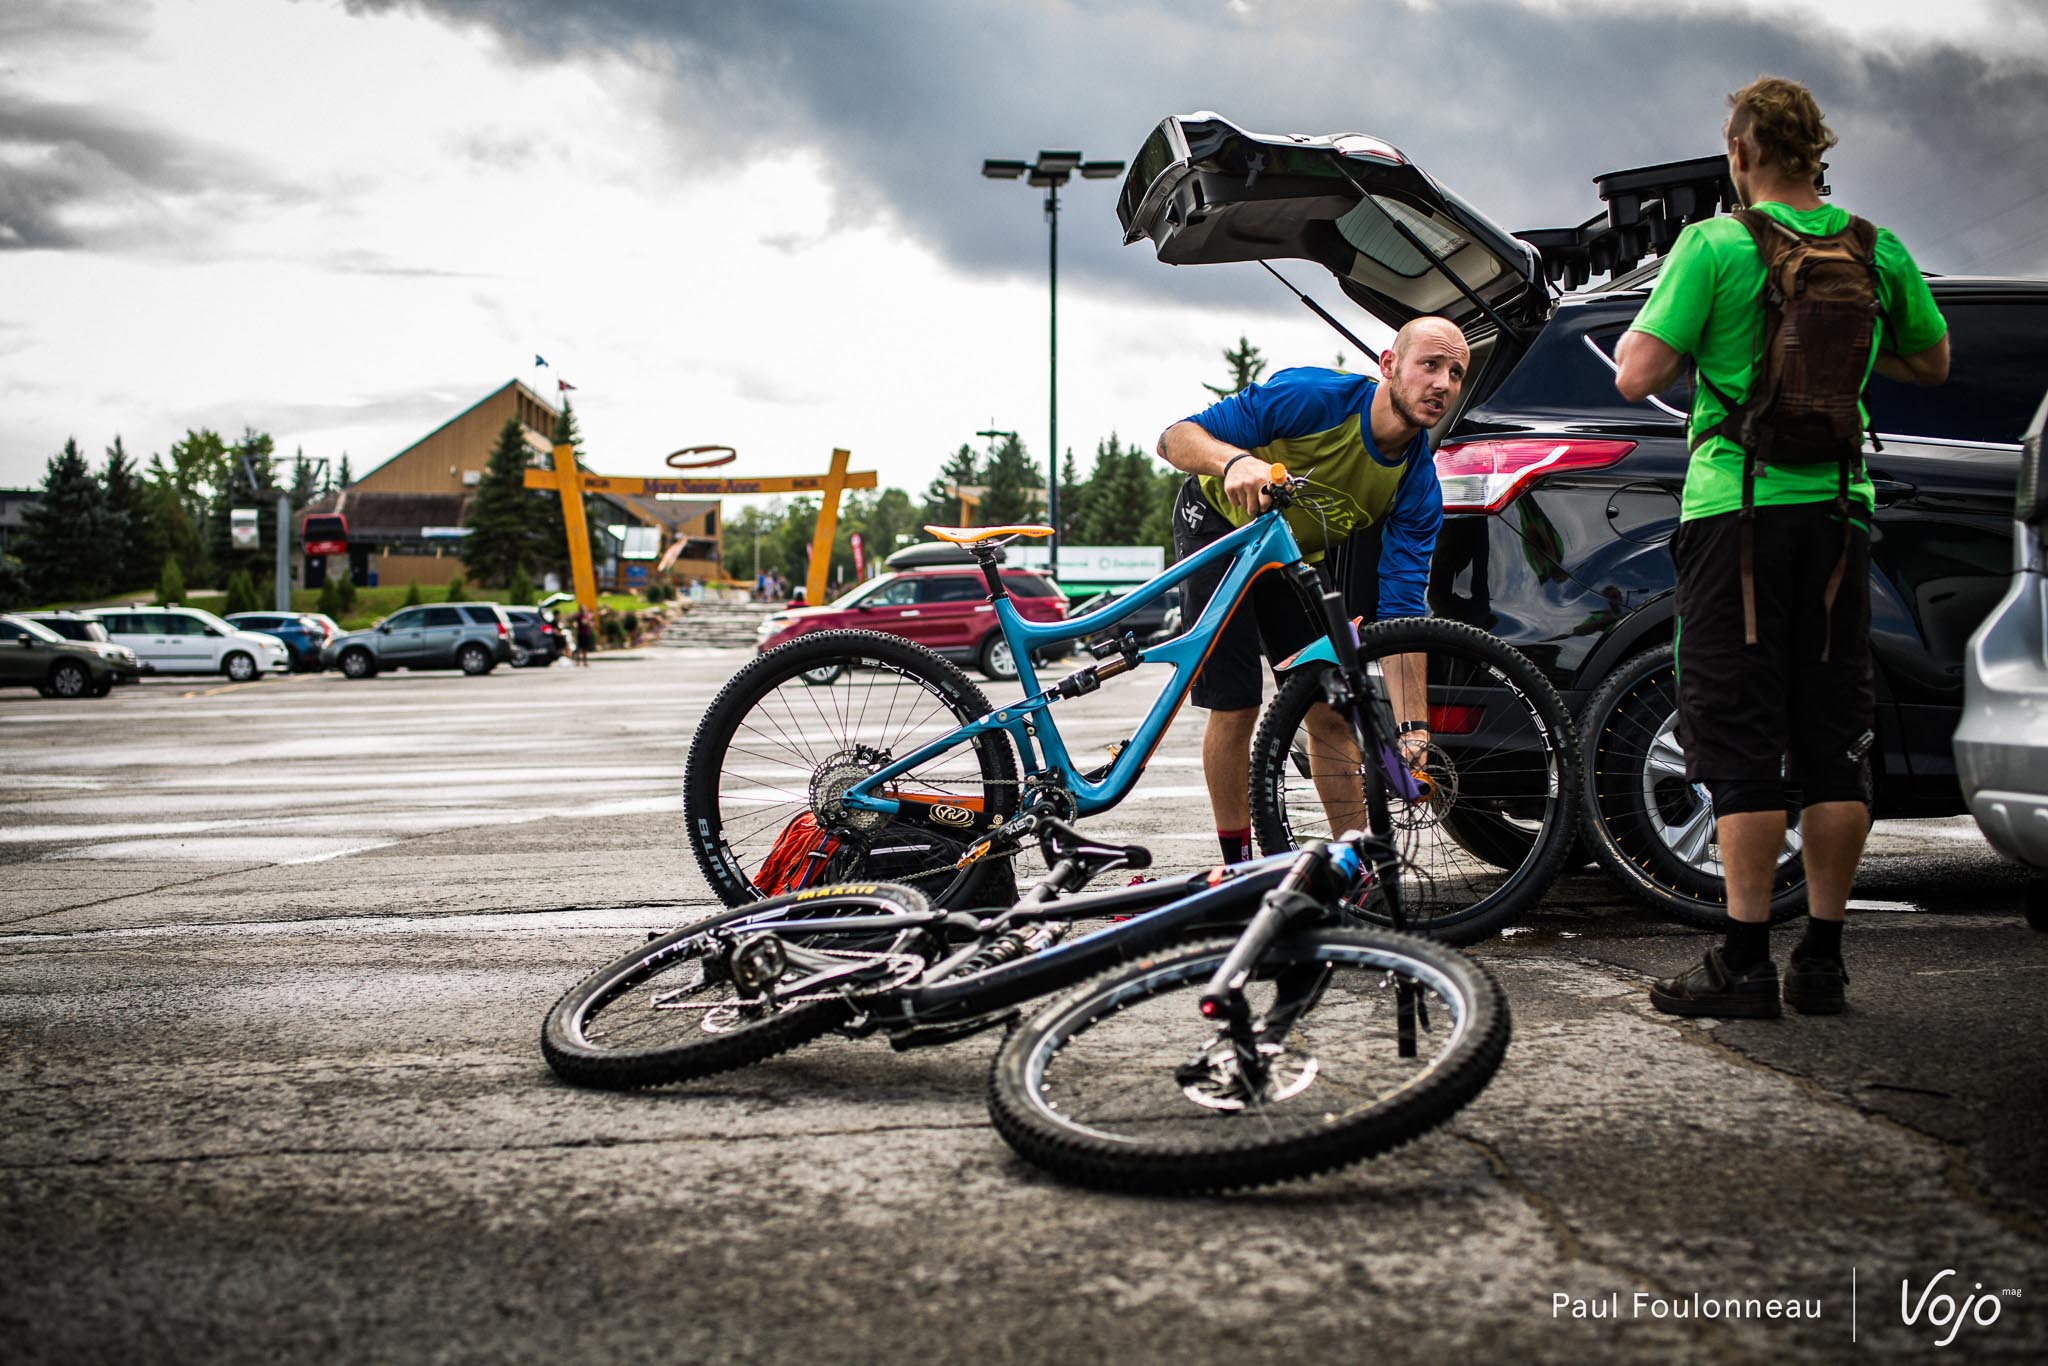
1050,171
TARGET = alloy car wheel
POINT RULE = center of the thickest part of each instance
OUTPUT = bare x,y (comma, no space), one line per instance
997,661
357,663
474,659
239,667
68,678
1643,820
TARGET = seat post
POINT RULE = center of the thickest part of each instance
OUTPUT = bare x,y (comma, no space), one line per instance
984,553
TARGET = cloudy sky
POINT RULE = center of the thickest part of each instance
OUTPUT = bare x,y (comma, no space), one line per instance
761,222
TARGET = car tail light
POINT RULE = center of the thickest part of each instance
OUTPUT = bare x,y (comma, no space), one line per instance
1446,719
1485,476
502,631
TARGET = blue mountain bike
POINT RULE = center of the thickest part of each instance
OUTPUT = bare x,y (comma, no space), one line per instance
848,755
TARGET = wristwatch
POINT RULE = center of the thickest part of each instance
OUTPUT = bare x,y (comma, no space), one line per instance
1411,727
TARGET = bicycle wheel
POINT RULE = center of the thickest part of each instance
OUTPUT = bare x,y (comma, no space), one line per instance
1648,826
1496,816
670,1009
799,725
1123,1084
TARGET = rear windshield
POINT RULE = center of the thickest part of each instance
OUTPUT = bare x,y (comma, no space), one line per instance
482,616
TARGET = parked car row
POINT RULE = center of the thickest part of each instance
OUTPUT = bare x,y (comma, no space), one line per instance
86,653
944,609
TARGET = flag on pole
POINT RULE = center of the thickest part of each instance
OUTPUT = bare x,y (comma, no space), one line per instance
537,360
859,569
563,386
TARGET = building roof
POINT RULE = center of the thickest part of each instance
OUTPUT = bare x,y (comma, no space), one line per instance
414,444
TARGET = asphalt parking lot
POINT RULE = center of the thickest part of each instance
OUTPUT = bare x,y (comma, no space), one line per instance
273,960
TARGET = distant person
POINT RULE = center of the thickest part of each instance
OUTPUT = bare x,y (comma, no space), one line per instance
1364,445
1776,700
586,637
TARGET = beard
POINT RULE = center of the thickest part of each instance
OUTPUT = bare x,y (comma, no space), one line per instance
1403,409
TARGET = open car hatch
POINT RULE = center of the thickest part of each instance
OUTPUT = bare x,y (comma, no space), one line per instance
1401,246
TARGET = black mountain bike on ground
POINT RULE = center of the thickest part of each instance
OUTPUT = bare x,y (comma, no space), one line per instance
1177,1060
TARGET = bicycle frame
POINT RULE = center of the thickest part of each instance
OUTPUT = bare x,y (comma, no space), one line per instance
1263,543
1161,913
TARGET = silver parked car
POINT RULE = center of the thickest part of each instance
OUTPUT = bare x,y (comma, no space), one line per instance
2002,743
474,637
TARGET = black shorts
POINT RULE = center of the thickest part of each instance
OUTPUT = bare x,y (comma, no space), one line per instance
1271,617
1756,714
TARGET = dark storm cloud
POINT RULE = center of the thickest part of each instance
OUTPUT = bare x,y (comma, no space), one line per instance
70,164
1517,109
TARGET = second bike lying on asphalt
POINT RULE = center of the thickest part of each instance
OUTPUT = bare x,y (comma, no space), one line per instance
1180,1062
852,755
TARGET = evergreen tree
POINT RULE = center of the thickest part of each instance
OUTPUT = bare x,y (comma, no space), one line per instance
1073,497
136,548
64,545
13,584
412,594
170,585
330,599
305,479
503,515
343,479
242,595
519,591
942,505
346,588
1246,365
457,590
1015,487
1120,495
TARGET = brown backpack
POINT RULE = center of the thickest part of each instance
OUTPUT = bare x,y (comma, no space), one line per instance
1820,310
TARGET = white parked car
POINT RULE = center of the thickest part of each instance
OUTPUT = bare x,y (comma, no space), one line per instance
185,640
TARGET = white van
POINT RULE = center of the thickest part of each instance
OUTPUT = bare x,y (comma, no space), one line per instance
185,640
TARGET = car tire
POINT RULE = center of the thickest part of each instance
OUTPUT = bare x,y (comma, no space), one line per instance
995,659
103,688
474,660
358,663
68,678
521,656
239,666
1644,823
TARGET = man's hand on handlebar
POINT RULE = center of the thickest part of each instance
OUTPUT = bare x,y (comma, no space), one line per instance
1245,484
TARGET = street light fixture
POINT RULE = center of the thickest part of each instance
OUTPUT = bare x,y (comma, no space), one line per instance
1049,172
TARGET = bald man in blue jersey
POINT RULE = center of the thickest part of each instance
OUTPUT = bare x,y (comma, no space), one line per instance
1363,445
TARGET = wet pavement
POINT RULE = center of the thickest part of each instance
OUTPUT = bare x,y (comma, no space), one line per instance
273,961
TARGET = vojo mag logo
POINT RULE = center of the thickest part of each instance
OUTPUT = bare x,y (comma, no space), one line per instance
1945,1307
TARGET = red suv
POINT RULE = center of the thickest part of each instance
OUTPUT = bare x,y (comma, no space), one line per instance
945,610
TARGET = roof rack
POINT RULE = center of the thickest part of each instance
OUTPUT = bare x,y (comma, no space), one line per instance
1647,206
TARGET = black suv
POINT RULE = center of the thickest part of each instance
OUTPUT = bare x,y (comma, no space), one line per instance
1560,497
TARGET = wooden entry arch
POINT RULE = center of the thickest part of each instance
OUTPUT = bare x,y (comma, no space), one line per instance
567,480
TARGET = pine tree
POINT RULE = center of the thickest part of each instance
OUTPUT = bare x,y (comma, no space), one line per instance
343,479
1015,486
502,516
345,587
1246,365
412,595
1073,497
330,599
942,504
242,595
305,479
519,591
136,546
64,546
457,590
170,585
13,584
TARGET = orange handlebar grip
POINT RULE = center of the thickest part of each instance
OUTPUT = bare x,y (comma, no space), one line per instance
1276,473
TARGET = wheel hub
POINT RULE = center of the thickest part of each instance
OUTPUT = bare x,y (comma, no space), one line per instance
833,777
1219,1083
1680,812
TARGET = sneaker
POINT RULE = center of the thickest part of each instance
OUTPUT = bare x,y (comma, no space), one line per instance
1711,989
1814,986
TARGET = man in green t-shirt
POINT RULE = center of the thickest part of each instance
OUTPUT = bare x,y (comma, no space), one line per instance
1791,710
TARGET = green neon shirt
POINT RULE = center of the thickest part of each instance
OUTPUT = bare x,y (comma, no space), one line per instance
1708,305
